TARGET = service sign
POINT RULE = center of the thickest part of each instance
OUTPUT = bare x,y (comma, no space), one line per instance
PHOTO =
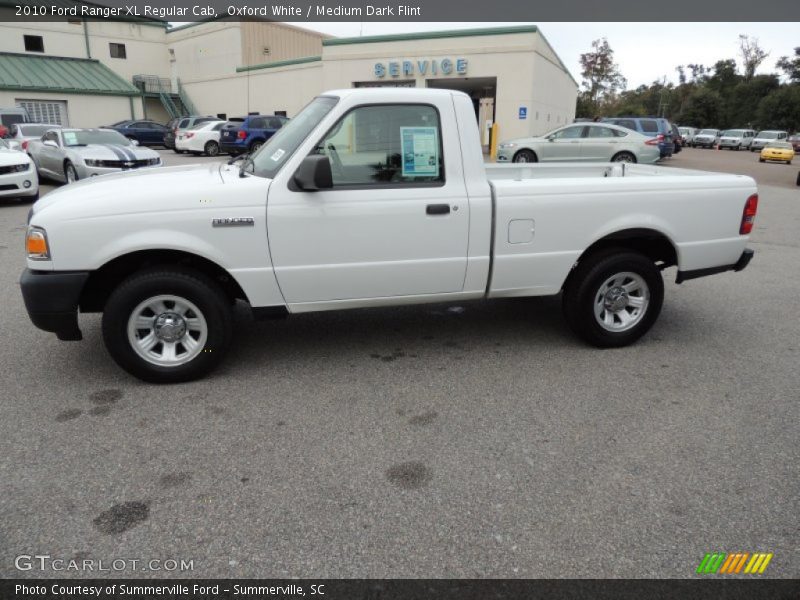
422,67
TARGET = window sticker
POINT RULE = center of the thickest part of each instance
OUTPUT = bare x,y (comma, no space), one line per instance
278,154
70,138
420,151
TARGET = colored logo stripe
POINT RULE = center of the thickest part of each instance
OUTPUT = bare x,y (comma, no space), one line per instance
722,563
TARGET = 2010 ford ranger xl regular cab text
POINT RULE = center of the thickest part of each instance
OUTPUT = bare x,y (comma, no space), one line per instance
369,198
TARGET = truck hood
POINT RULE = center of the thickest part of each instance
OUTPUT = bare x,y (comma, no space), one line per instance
152,190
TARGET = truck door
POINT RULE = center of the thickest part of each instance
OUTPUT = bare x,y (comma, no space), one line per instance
395,222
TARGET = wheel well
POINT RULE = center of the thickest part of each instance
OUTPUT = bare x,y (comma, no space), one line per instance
103,281
653,244
518,152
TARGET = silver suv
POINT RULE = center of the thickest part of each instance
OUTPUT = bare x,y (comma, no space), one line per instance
736,139
707,138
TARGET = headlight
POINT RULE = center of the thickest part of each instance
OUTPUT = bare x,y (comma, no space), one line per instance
93,163
507,145
154,161
15,168
36,244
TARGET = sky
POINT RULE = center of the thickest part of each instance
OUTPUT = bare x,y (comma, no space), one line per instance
644,51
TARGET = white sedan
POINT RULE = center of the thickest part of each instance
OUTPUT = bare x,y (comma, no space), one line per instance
203,138
18,178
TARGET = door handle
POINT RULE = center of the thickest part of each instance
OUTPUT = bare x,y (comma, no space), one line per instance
437,209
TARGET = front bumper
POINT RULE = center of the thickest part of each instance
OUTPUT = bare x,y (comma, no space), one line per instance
13,184
51,299
744,260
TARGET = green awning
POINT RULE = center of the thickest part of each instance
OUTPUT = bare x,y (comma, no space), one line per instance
62,75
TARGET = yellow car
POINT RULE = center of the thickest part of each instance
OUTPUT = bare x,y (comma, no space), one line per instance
781,151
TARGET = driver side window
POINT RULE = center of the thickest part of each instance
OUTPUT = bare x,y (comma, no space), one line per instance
568,133
385,145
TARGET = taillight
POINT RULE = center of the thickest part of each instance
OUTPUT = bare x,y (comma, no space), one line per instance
660,137
25,144
653,142
189,135
749,215
241,135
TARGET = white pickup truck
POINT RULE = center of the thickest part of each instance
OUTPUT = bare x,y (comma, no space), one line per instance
369,198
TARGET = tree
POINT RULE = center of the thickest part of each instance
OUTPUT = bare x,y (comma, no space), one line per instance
781,109
703,109
790,66
752,55
601,77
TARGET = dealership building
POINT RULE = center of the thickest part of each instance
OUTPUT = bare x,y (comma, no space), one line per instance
90,73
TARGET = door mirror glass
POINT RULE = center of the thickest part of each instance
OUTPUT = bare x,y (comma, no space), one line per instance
50,143
314,173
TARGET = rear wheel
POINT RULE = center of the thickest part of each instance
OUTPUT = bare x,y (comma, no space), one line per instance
167,325
761,160
625,157
255,146
212,148
613,297
525,156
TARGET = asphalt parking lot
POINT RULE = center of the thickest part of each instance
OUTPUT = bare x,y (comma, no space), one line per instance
478,440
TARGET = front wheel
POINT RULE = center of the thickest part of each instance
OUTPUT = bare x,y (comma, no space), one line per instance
525,156
613,298
70,173
167,325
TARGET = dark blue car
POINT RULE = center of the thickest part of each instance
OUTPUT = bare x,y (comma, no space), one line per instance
655,127
247,134
147,133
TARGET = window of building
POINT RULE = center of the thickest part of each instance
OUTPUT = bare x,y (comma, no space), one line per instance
386,145
53,112
34,43
117,50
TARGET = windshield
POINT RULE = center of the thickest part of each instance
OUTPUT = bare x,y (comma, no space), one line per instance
96,136
270,158
709,132
768,135
733,132
35,130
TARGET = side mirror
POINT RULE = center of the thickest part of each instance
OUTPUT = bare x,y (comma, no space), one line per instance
50,143
549,138
135,142
314,173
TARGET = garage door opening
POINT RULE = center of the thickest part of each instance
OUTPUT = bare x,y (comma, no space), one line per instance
482,91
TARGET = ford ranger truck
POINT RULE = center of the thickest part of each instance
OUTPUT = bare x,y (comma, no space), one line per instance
369,197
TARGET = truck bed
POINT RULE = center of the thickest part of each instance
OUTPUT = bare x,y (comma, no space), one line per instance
522,171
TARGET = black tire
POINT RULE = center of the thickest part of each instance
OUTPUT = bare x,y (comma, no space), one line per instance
176,151
211,148
625,157
798,178
525,156
70,168
584,285
761,160
254,146
191,285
